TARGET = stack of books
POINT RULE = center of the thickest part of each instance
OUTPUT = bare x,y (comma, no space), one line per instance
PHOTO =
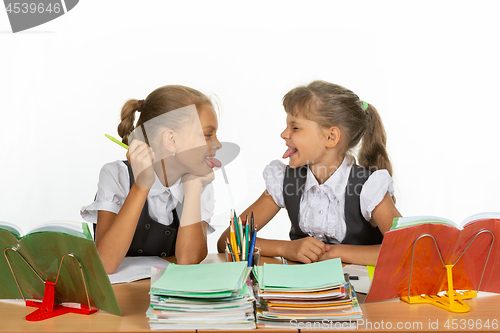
305,296
208,296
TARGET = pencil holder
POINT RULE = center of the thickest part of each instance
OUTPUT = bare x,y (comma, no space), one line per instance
238,256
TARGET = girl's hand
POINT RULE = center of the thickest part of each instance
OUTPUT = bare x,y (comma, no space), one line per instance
306,250
141,157
191,181
330,254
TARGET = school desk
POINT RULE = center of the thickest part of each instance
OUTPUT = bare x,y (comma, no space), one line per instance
392,315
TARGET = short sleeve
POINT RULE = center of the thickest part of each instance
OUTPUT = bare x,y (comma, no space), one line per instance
207,200
376,186
274,173
112,190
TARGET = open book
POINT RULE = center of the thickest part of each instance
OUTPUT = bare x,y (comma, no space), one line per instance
67,227
407,252
36,256
403,222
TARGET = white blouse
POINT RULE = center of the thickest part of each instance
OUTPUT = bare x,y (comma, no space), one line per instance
114,186
321,212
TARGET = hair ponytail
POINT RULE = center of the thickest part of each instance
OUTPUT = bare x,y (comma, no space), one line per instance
127,117
373,154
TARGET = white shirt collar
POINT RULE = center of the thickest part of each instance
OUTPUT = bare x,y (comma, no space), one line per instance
176,190
337,182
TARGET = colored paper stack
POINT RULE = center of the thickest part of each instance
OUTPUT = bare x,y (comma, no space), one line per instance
208,296
295,295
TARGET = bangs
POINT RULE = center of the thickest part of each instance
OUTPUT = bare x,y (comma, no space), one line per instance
301,102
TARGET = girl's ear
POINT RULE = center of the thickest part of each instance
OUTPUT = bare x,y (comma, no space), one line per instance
169,141
333,137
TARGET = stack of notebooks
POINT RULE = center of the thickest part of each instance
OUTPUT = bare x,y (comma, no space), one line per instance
208,296
311,293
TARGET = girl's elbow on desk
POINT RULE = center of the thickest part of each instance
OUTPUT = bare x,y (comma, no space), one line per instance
191,258
110,267
110,263
109,270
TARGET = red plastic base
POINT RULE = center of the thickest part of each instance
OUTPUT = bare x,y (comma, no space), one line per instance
47,308
57,310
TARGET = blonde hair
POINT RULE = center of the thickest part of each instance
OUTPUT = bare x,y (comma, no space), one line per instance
160,101
330,105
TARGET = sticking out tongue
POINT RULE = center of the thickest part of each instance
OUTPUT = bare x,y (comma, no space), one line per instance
289,152
216,162
213,162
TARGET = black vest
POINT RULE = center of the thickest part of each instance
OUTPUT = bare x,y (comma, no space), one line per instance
358,230
151,238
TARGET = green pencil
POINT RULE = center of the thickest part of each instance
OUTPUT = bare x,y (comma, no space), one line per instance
116,141
247,240
242,232
237,234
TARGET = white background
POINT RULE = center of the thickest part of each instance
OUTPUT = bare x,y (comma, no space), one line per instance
430,68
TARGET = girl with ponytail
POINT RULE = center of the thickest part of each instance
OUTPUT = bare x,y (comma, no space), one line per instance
337,208
169,163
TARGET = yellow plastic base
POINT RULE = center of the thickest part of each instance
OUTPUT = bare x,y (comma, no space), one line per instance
453,304
451,300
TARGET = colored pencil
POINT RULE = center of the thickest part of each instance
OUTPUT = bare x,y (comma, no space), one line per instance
234,246
231,251
228,253
244,248
247,240
118,142
241,232
252,248
251,223
237,235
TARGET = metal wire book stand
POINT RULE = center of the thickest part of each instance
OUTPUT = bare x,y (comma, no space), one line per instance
451,300
46,307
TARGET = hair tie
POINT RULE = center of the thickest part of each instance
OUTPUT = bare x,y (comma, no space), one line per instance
139,104
365,106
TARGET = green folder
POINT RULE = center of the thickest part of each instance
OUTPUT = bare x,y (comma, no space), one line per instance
43,250
320,274
202,279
